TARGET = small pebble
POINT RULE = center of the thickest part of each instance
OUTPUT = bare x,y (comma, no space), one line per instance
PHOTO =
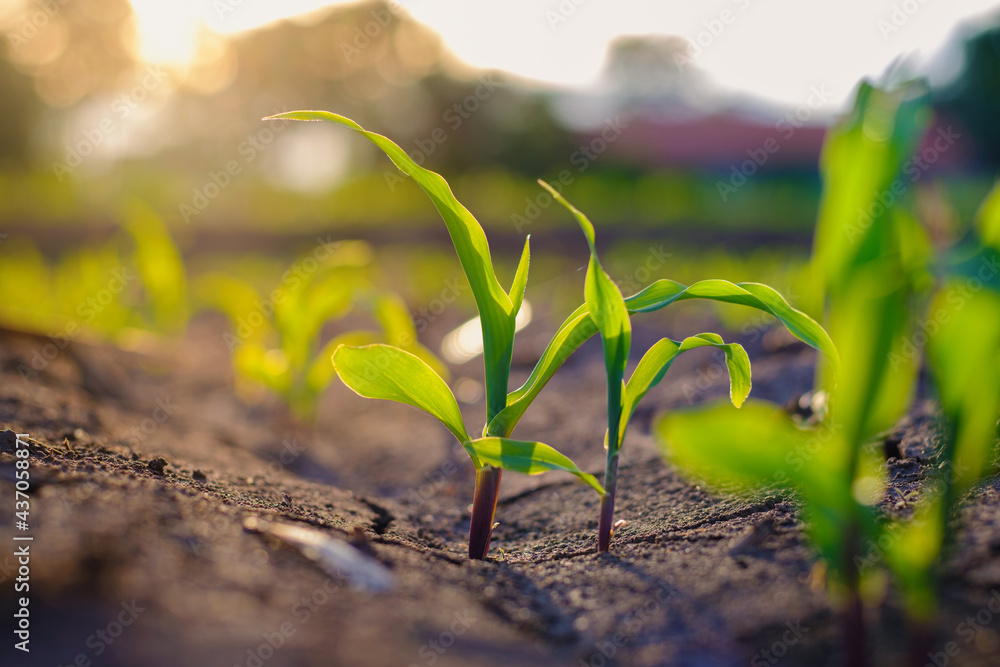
157,465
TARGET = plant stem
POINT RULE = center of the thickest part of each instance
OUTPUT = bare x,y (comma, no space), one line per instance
854,615
920,642
607,504
484,507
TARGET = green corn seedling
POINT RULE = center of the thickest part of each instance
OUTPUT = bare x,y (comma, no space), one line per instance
609,313
868,266
276,346
134,283
381,371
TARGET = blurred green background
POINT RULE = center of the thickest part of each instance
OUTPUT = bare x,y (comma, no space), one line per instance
717,182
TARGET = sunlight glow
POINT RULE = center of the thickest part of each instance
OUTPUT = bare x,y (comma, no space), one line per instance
776,50
466,342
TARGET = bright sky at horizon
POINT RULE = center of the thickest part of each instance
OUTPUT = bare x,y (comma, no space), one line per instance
773,49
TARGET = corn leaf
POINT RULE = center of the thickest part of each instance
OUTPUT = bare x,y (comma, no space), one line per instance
520,278
988,218
495,306
387,372
530,458
579,327
965,356
658,359
607,310
159,264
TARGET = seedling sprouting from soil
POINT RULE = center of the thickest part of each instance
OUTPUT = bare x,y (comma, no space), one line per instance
873,274
384,371
609,312
276,345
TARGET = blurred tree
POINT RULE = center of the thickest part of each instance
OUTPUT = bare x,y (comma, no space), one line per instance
652,68
70,49
17,116
974,96
374,63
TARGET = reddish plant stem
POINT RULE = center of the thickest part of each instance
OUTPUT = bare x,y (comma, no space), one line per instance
604,526
484,507
854,615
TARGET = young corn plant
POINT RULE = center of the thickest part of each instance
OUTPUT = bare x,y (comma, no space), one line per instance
869,270
609,312
962,352
276,345
132,285
386,372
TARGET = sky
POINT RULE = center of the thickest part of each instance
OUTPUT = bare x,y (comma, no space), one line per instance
778,50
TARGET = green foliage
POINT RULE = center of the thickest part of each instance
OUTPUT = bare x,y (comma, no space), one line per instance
495,306
160,267
874,268
275,337
530,458
579,327
389,373
135,283
609,313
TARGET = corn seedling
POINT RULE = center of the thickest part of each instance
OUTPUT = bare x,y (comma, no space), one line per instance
387,372
377,371
610,313
875,267
275,339
133,284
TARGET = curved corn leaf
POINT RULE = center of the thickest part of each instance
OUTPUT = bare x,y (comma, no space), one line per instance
759,446
607,309
495,307
530,458
658,359
268,367
520,278
965,355
988,218
159,264
387,372
579,327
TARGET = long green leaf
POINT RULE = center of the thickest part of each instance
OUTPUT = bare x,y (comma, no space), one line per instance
965,356
658,359
607,309
530,458
387,372
520,277
759,446
579,327
495,307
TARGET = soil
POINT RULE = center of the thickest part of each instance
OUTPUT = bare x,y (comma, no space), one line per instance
154,493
